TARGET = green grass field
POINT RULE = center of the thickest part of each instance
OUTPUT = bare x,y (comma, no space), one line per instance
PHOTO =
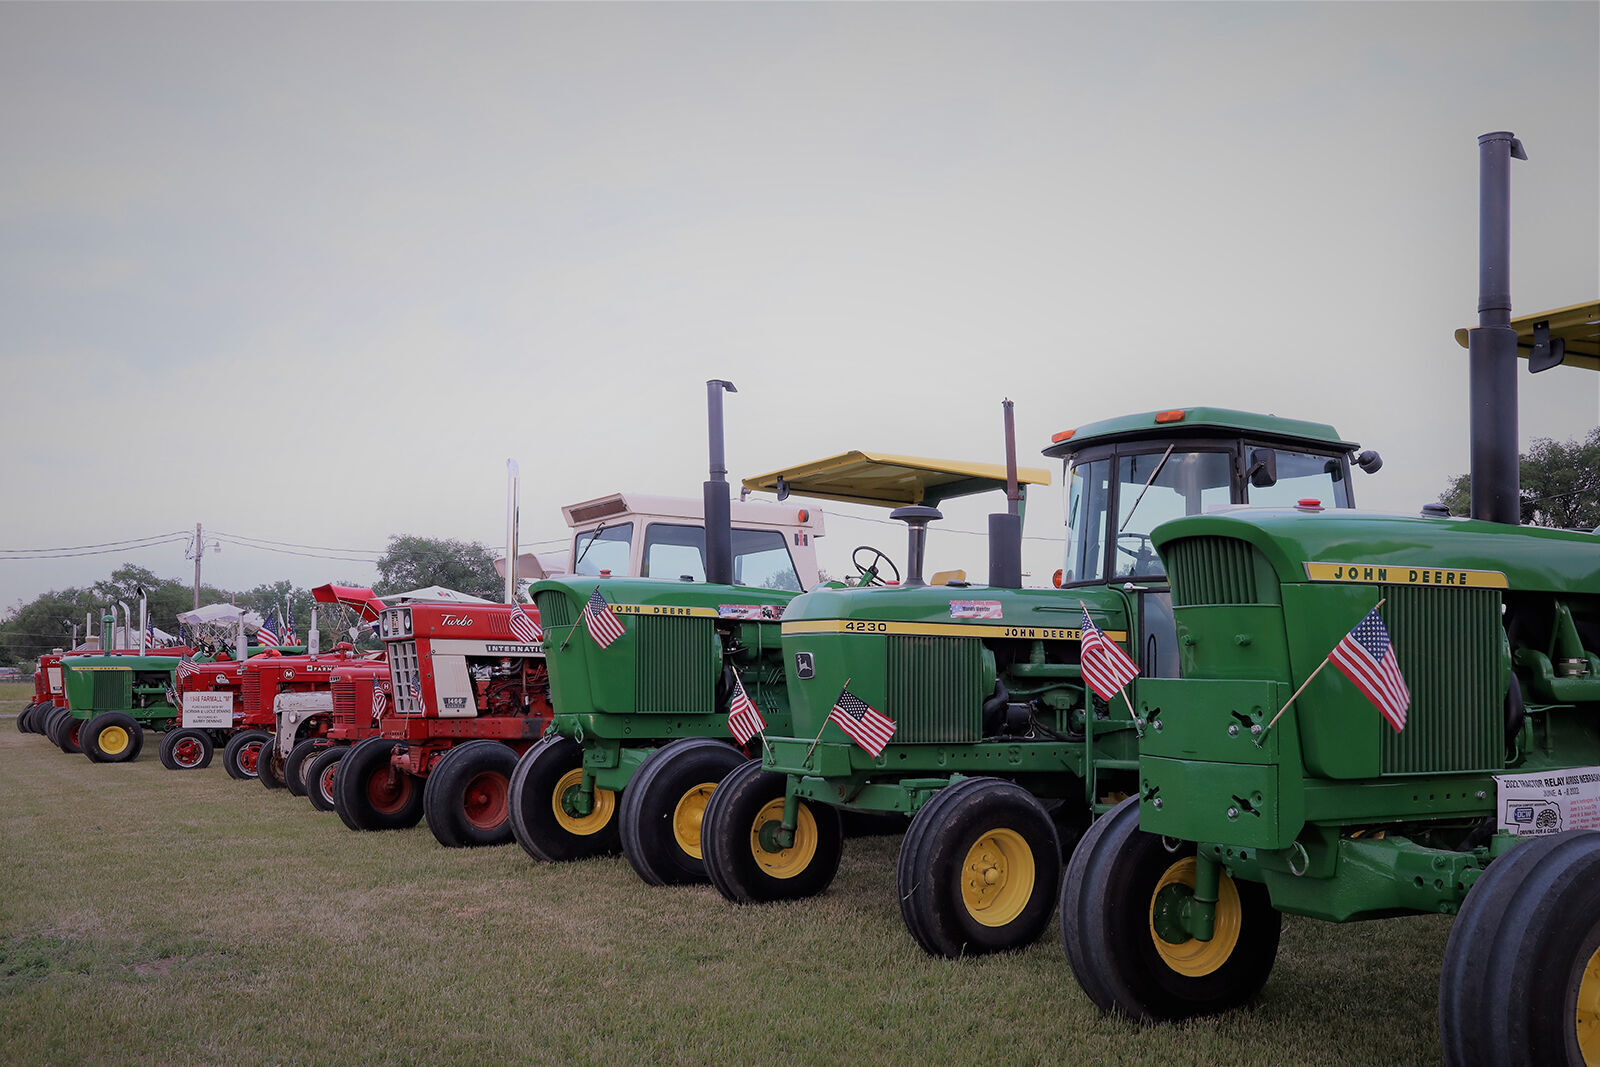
150,916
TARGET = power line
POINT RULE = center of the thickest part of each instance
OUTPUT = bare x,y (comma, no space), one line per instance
103,544
291,552
291,544
98,552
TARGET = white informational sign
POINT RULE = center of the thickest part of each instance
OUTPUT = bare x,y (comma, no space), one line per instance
208,711
1532,805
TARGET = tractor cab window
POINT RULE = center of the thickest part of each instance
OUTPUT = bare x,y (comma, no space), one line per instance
760,557
605,548
1088,490
1303,476
1142,490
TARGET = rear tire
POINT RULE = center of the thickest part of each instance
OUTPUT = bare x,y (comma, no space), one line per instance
322,778
542,816
371,794
242,753
979,870
664,806
298,763
65,730
742,813
186,750
112,737
1520,983
467,797
1108,926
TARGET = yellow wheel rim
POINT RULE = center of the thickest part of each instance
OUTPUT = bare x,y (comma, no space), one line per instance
997,877
1193,958
788,862
605,805
113,740
1588,1021
688,815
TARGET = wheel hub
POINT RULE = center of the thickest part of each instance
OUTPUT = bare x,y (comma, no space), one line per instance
766,833
1177,948
580,813
687,816
997,877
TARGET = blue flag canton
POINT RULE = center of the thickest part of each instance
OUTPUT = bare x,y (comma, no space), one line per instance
853,706
1372,636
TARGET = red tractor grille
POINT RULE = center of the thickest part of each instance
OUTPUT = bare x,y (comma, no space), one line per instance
344,702
252,691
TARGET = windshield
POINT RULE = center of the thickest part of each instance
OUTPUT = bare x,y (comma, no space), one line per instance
1152,487
1304,476
760,557
605,548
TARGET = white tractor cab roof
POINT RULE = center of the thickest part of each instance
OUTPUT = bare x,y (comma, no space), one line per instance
646,536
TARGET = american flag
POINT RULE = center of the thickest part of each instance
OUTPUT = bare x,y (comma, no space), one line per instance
267,636
380,700
1105,666
187,667
1366,656
603,626
524,628
744,718
150,632
289,637
866,725
415,688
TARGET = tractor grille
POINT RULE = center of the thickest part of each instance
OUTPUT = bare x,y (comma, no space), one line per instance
674,672
344,702
112,689
252,692
554,608
1450,645
935,692
406,674
1212,570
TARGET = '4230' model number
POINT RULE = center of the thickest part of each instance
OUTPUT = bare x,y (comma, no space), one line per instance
855,627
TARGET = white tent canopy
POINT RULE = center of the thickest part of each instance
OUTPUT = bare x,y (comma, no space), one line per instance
435,593
220,614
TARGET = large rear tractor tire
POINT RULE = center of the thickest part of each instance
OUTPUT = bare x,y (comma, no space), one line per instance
544,817
22,718
112,737
979,869
1119,886
742,858
299,762
1520,984
65,731
467,798
321,777
665,805
371,795
242,754
186,750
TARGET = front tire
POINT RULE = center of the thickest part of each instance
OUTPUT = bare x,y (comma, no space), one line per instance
371,794
269,765
186,750
1520,984
743,862
544,820
65,731
467,798
1120,882
112,737
299,762
664,807
979,869
241,756
322,777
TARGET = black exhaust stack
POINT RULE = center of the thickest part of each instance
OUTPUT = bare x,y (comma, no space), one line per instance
718,512
1005,528
1492,346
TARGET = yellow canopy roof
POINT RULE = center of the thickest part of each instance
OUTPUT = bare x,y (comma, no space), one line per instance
890,481
1578,326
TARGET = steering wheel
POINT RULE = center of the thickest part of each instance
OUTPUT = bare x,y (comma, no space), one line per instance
1143,540
867,574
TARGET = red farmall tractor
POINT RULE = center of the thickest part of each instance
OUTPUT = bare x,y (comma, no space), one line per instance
361,693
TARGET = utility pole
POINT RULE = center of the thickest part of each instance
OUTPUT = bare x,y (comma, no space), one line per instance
197,550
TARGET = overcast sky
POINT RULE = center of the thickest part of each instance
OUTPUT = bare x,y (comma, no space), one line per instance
312,273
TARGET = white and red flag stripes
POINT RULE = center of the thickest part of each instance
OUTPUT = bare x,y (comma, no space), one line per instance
524,628
1105,666
744,718
603,626
380,701
866,725
1366,656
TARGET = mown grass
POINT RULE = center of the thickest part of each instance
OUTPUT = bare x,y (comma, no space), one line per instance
149,916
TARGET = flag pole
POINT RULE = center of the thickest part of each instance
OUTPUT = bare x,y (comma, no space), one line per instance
1262,739
1122,690
1138,727
818,738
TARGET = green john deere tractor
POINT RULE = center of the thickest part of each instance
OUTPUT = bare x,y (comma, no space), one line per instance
999,751
1450,764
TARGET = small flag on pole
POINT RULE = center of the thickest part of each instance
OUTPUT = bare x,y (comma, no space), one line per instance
866,725
380,700
1366,656
267,636
603,626
744,718
289,637
415,689
187,668
1105,666
524,628
150,631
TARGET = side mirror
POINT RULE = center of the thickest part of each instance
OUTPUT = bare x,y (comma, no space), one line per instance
1370,462
1263,472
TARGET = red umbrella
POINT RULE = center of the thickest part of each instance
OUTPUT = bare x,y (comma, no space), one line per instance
363,600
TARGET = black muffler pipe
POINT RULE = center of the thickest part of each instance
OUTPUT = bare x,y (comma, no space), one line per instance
1492,346
718,511
1005,528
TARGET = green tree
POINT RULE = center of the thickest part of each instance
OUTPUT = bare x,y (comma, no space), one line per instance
414,562
1560,482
